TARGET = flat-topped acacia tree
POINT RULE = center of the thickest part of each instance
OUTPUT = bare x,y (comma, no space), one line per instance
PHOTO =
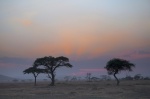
35,71
116,65
51,64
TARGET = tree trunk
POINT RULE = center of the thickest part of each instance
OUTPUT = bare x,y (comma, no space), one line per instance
116,79
35,81
52,80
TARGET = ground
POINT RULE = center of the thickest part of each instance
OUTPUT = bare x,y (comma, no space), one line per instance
77,90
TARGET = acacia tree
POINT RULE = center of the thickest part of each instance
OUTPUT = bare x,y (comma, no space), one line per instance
116,65
51,64
35,71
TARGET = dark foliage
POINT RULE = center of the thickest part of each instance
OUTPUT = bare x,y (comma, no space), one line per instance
50,64
35,71
116,65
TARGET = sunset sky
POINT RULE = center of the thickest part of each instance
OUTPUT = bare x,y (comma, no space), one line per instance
88,32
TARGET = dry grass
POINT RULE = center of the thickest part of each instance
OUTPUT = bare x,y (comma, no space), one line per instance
72,90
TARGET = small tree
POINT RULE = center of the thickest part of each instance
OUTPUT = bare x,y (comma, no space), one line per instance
51,64
88,77
35,71
116,65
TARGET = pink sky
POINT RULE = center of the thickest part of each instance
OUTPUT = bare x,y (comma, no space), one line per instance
83,72
80,30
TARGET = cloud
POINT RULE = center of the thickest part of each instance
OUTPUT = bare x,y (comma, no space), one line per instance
143,52
135,54
13,62
7,65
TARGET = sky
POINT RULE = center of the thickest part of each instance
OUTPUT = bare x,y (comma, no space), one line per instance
88,32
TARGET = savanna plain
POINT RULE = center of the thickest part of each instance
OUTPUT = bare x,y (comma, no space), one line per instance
77,90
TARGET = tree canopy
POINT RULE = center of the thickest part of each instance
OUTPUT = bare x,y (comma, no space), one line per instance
50,64
116,65
35,71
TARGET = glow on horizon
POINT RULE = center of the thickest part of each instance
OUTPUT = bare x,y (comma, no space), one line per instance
72,28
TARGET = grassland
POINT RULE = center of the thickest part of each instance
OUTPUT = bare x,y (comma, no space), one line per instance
77,90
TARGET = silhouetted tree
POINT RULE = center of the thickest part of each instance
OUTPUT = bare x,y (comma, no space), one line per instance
51,64
114,66
88,76
35,71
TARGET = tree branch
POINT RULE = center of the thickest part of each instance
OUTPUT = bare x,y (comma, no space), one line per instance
57,66
49,76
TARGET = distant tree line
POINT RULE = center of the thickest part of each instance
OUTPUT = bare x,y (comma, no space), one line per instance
136,77
103,78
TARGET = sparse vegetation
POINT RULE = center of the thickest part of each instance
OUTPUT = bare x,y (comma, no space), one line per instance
128,78
105,77
137,89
